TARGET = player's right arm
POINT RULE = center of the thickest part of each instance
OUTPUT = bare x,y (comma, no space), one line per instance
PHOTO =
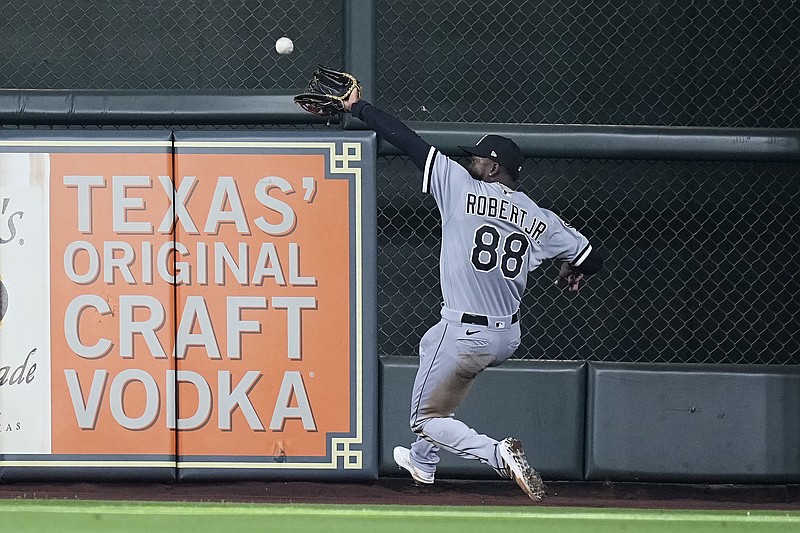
390,129
581,258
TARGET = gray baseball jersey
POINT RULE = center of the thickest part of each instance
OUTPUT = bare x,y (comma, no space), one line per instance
504,234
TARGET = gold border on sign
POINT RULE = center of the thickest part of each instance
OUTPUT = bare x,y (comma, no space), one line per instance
342,448
338,163
98,144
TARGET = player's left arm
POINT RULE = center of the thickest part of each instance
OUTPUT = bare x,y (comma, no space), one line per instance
389,128
436,167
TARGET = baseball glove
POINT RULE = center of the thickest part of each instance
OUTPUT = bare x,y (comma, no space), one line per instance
327,92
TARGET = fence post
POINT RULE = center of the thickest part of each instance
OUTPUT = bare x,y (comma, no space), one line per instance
359,50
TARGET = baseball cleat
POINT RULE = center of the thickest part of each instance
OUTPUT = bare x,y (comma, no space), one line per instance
519,469
403,459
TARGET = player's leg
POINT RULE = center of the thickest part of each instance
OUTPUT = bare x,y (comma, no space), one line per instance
458,438
425,454
421,459
450,361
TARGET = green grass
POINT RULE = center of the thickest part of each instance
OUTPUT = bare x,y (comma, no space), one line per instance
126,517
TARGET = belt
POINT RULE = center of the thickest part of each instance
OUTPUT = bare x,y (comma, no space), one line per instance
480,320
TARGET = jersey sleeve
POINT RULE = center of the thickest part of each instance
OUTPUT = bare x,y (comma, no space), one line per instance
565,242
391,129
444,179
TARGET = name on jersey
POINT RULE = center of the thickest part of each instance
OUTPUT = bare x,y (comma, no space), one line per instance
501,209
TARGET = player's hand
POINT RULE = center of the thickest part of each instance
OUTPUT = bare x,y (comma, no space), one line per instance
355,96
568,278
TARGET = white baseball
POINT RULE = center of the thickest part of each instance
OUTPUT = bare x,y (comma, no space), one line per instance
284,46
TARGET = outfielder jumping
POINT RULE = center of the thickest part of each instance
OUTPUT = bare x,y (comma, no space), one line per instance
493,235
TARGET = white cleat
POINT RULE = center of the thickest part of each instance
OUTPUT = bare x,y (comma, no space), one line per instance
519,469
403,459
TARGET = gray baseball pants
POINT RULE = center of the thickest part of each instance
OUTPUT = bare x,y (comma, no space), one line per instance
452,354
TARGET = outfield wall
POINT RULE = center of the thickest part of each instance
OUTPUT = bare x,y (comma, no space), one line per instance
600,421
171,310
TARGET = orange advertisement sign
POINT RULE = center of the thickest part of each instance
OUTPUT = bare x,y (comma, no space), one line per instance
276,260
111,303
263,306
204,304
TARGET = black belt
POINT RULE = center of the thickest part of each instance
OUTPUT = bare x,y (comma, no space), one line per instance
480,320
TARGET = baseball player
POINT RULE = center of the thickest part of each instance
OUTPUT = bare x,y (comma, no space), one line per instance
492,236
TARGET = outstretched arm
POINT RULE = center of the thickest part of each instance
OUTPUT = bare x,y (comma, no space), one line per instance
389,128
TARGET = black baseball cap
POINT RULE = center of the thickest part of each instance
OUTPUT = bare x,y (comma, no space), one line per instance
500,150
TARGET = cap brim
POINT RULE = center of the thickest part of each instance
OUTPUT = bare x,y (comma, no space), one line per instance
472,151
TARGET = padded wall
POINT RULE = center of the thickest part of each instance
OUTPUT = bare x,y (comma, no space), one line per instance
693,423
539,402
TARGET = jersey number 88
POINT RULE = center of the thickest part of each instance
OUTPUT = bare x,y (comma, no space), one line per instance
490,249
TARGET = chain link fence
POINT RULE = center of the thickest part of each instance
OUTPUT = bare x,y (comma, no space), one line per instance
150,44
702,254
702,263
645,62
